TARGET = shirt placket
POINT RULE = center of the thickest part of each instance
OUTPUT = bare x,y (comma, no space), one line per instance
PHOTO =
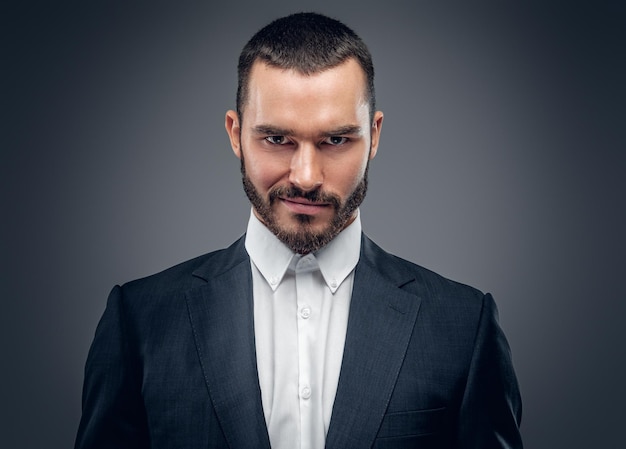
308,387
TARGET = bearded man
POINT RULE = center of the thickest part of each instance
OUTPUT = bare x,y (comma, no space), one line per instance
303,333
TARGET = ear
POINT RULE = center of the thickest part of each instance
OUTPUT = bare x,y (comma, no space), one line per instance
231,123
377,126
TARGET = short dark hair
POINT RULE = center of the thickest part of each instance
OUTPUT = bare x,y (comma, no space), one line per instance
308,43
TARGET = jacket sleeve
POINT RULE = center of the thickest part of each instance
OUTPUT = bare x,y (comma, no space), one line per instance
491,410
113,414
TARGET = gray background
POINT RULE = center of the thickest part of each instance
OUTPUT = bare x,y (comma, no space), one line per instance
501,165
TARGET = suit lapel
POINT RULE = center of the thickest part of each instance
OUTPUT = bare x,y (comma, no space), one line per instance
382,317
221,313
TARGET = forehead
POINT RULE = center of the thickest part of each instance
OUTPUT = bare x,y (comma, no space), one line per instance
282,95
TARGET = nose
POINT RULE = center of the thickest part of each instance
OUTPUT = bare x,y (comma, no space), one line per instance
306,171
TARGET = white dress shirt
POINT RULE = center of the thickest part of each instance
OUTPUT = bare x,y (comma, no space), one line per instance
301,306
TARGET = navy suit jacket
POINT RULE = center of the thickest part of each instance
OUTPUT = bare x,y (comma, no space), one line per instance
173,362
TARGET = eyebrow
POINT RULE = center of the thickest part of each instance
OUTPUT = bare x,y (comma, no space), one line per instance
270,130
344,130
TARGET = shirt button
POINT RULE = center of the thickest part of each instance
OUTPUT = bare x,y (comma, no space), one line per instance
274,280
333,283
305,313
305,393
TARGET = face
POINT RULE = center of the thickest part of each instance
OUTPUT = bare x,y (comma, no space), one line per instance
305,143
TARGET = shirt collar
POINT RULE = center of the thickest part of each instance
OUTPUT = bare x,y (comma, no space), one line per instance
272,257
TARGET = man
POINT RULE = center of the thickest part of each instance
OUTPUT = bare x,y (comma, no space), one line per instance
303,333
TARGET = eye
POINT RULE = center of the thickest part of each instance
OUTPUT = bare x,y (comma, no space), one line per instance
277,140
336,140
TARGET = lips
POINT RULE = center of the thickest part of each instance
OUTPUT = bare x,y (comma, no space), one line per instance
303,206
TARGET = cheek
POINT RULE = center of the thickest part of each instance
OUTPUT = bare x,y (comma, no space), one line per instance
347,175
263,171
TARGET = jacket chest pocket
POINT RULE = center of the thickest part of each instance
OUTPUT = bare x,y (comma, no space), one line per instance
418,428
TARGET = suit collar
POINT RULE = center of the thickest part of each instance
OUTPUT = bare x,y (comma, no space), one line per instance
222,261
390,267
383,263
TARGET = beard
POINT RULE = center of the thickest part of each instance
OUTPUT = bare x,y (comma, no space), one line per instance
304,239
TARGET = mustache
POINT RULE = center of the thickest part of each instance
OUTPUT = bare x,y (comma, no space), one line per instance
315,196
